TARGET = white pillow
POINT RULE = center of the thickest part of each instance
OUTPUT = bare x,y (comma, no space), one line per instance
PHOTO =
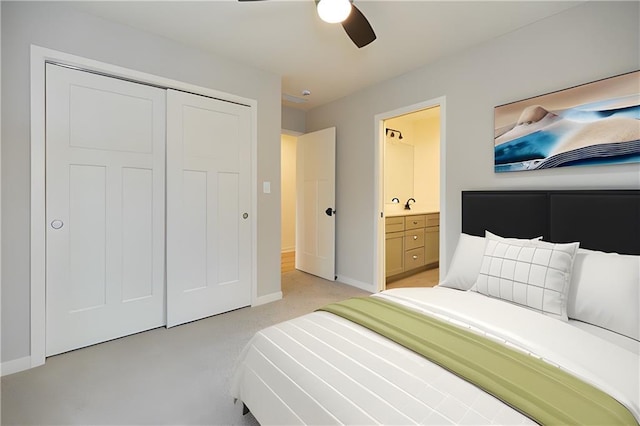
535,274
467,259
605,291
465,264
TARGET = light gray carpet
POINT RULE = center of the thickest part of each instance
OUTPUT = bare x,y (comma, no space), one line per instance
163,376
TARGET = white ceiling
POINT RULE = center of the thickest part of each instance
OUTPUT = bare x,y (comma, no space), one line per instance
287,38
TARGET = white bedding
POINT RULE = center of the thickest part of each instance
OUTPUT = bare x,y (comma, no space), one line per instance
322,369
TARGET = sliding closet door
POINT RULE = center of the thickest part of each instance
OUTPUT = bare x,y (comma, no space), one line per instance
105,153
208,206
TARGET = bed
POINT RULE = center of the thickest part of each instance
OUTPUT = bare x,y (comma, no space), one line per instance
549,279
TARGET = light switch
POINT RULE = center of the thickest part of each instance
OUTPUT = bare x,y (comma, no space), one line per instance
266,187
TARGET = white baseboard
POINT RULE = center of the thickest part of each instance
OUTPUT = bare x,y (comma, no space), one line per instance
358,284
267,298
15,366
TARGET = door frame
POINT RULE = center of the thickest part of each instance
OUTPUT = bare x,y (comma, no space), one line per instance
40,56
378,195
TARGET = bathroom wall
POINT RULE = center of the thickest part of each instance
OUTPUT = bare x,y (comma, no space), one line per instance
399,176
427,161
420,142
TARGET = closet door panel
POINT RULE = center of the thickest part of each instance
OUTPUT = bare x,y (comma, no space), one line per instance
228,244
194,230
87,237
105,185
137,233
208,194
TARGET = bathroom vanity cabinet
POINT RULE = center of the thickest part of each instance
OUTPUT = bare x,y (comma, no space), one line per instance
412,243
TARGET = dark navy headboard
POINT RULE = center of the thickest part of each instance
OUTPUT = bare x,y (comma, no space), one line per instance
607,220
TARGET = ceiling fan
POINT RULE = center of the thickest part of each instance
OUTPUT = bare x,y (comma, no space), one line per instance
345,12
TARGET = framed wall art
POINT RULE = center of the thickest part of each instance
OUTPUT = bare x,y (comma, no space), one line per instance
592,124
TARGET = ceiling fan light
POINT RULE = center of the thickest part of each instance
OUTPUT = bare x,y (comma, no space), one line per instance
334,11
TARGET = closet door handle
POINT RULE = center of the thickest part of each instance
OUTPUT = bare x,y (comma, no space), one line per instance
57,224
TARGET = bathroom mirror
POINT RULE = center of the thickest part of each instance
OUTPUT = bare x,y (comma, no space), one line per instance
398,172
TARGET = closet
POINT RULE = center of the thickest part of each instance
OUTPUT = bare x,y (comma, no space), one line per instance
147,201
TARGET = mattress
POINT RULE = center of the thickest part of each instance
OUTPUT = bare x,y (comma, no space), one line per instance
322,369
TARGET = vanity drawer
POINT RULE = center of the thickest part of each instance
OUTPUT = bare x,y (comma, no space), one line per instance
413,222
414,238
433,219
413,258
394,224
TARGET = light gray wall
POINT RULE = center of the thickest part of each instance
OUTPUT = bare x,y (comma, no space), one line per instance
589,42
53,25
293,119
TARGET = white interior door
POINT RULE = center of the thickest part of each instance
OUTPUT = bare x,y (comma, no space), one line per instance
208,203
315,203
105,151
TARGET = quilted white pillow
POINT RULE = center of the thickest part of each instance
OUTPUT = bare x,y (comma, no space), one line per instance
467,259
532,273
605,291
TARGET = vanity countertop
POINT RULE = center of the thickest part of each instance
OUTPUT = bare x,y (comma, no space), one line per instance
412,212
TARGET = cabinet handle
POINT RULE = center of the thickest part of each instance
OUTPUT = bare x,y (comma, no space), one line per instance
415,222
415,237
415,257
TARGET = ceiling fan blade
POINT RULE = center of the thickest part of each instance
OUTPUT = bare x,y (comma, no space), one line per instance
358,28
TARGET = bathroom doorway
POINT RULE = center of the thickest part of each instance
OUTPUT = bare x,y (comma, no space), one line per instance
409,195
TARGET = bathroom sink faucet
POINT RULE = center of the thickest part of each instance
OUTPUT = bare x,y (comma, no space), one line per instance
408,206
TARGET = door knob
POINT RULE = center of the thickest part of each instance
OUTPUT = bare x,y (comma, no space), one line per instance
330,212
245,215
57,224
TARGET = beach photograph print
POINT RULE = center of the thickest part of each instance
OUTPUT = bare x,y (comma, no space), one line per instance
596,123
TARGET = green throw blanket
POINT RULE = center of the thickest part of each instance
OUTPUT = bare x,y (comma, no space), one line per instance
545,393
